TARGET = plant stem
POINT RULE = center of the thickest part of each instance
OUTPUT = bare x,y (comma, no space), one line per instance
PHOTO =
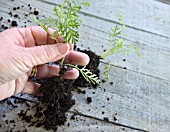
62,61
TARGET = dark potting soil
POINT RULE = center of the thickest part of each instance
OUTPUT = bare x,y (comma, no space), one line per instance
51,110
92,66
57,97
55,102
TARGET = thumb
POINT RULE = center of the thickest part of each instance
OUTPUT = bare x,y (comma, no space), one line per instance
46,53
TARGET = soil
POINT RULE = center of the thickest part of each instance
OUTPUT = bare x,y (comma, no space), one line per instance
14,20
51,110
55,102
57,97
92,66
89,100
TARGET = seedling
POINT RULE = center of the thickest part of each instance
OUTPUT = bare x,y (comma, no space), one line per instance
66,25
118,44
106,72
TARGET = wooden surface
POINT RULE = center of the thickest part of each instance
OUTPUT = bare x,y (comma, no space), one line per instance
139,99
165,1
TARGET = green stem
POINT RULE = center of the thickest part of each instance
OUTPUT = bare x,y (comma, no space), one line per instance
62,61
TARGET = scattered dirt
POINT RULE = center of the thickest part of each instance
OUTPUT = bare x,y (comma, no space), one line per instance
89,100
81,91
36,12
14,24
14,20
51,110
106,119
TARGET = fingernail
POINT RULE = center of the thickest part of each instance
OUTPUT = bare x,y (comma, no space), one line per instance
63,48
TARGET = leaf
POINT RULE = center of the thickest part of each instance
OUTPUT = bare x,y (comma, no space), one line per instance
106,72
87,74
66,24
86,3
118,42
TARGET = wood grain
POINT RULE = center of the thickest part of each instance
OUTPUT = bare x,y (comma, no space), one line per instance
139,100
154,48
139,97
147,28
80,123
164,1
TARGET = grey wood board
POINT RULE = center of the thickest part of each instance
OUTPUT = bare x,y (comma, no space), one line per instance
134,100
140,95
165,1
139,101
80,123
146,15
154,49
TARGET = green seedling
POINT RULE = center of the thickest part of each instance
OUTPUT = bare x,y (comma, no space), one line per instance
66,25
118,44
106,72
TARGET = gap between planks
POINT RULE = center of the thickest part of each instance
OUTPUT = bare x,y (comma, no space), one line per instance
75,112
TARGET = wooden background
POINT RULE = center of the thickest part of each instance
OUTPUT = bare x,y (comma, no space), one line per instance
139,99
165,1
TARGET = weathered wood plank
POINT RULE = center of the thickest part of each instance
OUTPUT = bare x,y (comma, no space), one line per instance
139,100
80,123
134,100
154,61
164,1
148,16
155,49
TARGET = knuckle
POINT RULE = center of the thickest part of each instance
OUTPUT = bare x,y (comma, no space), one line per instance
48,52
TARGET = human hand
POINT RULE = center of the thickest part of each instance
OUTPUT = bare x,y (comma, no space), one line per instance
23,48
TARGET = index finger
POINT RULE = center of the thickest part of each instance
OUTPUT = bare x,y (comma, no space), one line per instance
42,37
36,36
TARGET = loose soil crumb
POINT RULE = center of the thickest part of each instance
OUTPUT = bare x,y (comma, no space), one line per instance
36,12
89,100
111,83
106,119
81,91
14,24
115,119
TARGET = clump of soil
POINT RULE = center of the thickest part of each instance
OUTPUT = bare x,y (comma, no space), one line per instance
51,110
55,102
92,66
89,100
57,97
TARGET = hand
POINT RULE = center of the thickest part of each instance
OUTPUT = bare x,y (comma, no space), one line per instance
23,48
